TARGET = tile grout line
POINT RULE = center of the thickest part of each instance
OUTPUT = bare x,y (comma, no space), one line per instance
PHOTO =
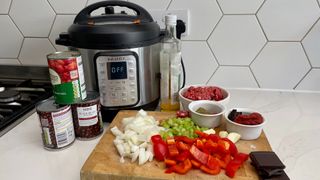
220,7
294,87
304,50
265,44
51,7
20,51
214,27
54,20
264,1
169,5
264,33
318,3
307,33
254,77
11,2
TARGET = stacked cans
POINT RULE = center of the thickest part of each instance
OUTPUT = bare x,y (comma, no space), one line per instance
72,112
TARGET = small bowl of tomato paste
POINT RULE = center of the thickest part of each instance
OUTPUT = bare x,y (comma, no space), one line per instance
246,122
203,92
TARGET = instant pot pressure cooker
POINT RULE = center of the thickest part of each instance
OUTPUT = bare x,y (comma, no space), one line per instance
120,55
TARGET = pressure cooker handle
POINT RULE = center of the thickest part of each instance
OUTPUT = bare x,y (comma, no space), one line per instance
84,16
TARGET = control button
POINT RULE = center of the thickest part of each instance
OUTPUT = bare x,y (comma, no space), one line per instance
131,77
117,82
132,91
124,99
113,94
123,82
132,84
118,88
131,70
130,64
133,98
123,94
124,88
111,88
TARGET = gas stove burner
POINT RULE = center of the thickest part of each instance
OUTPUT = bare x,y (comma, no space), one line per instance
9,96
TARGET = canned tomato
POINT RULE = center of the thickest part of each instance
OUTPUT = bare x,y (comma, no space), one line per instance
66,74
56,124
86,117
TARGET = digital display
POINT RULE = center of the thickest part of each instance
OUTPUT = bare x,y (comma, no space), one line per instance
117,70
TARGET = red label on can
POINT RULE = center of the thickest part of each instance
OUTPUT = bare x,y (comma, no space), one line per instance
67,69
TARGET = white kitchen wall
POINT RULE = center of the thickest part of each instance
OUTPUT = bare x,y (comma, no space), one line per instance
232,43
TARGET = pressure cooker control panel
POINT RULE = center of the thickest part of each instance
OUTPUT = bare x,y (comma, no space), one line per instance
117,79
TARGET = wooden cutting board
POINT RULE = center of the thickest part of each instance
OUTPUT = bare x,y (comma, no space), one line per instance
104,164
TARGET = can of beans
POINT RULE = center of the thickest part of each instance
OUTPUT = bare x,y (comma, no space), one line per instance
56,124
67,78
87,118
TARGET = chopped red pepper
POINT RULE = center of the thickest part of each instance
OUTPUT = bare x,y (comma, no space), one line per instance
195,163
214,137
232,147
201,134
235,164
199,144
160,148
183,146
199,155
183,156
212,162
169,162
232,168
183,167
210,171
184,139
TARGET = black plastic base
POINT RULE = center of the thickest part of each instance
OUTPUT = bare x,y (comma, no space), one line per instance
108,114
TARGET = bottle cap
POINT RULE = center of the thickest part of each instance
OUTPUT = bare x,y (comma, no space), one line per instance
171,19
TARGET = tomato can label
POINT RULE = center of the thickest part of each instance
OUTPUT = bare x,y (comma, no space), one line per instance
56,124
67,77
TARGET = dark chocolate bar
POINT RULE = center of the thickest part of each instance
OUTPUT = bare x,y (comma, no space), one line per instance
266,160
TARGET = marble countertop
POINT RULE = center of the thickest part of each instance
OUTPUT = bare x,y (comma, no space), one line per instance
293,130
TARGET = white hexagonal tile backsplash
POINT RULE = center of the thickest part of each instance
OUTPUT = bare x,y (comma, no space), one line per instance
311,44
61,24
237,40
4,6
10,38
204,16
152,4
240,6
199,62
33,17
308,83
288,20
227,76
280,65
34,51
67,6
234,43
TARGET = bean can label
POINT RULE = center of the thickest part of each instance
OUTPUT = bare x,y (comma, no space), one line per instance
56,124
67,77
86,116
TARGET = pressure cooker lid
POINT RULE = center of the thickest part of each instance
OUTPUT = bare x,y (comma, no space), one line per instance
111,30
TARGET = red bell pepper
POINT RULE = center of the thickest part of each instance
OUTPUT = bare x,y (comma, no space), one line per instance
183,156
183,146
199,155
199,144
213,137
235,164
169,162
210,171
173,150
195,163
183,167
160,148
212,162
232,147
201,134
184,139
